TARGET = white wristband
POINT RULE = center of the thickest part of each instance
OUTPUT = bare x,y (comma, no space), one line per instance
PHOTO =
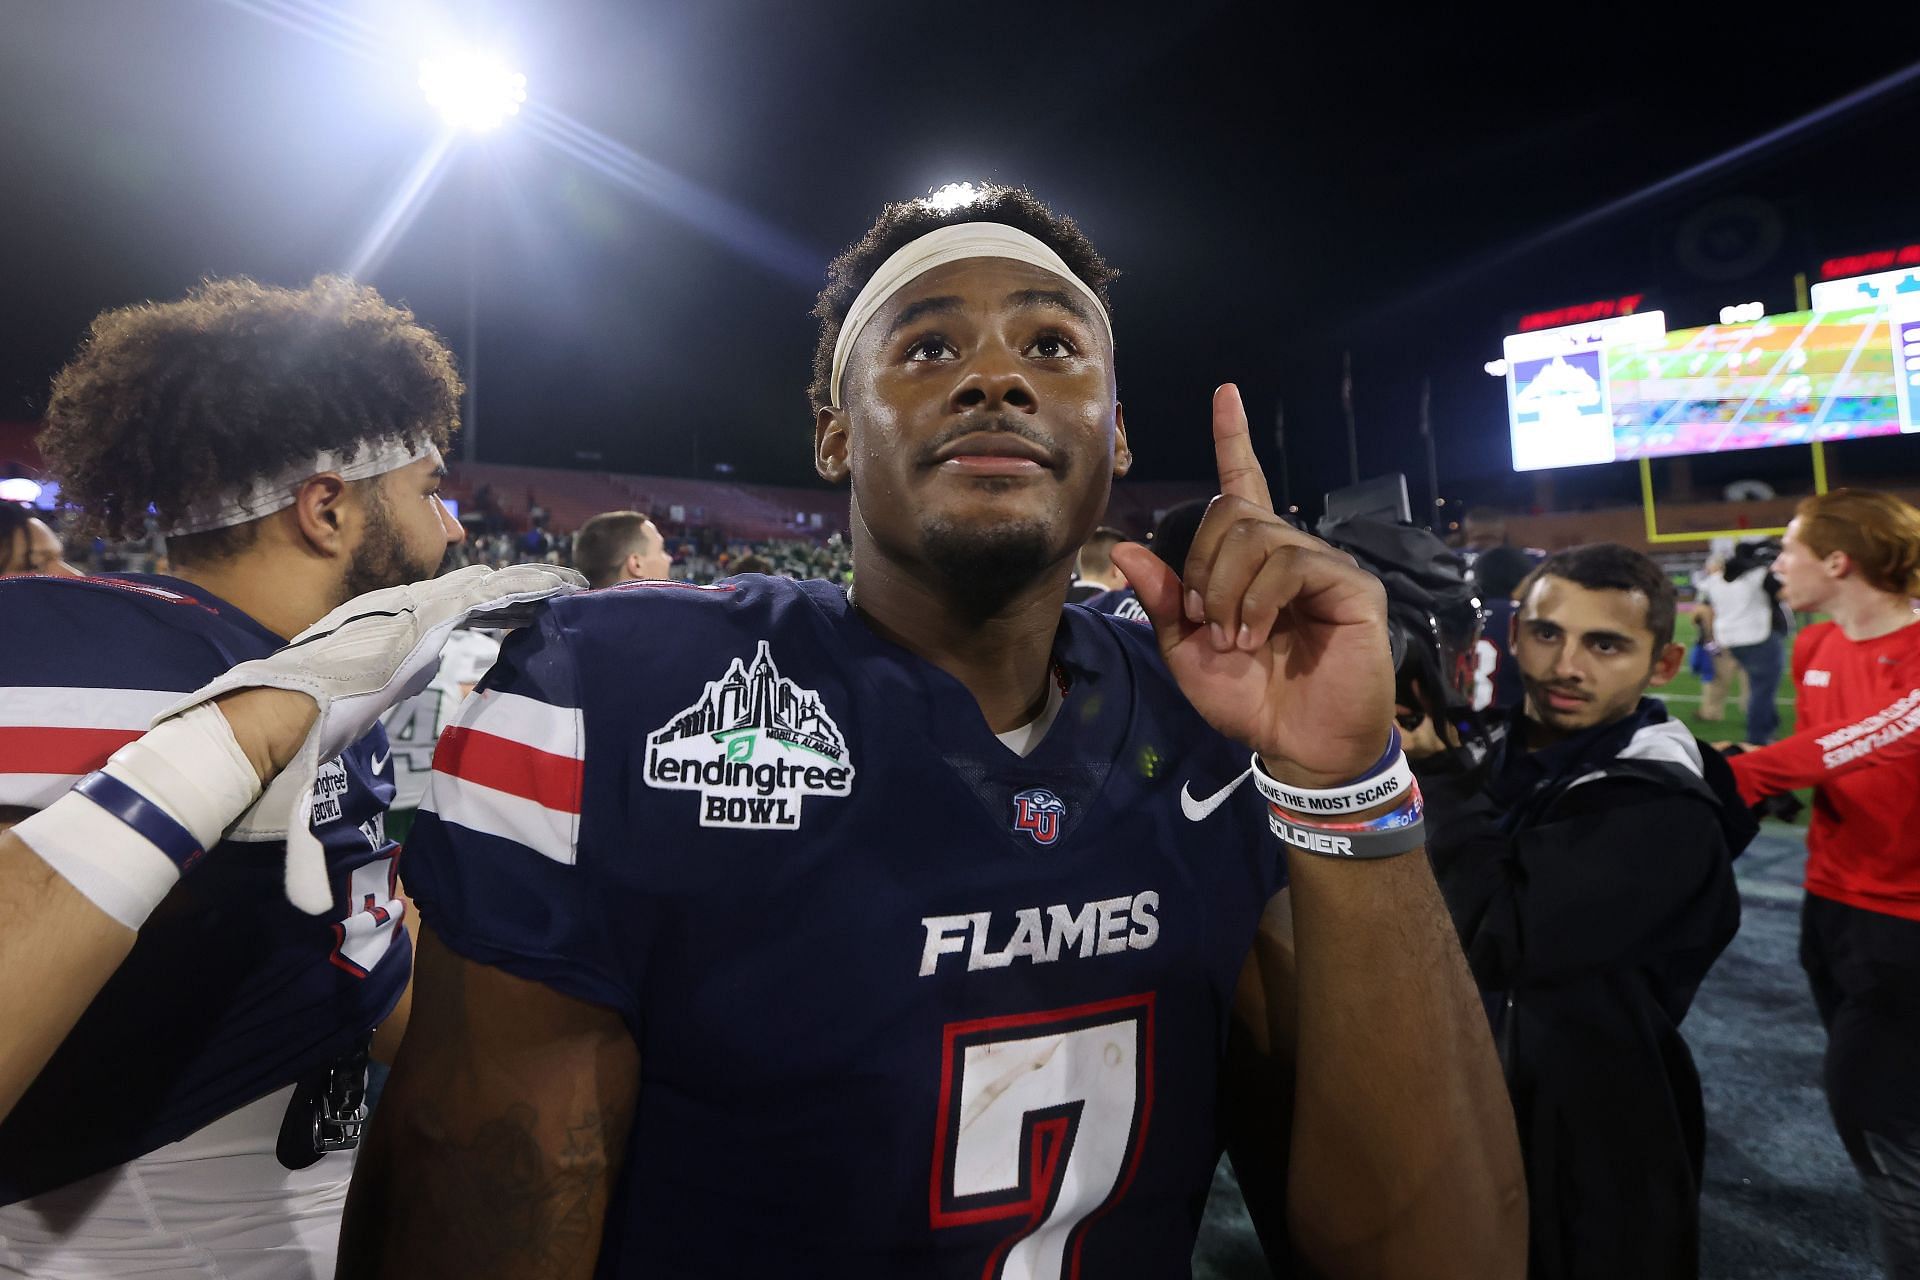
1356,797
189,767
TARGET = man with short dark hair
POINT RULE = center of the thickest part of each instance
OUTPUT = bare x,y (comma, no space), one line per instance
620,546
926,930
289,440
1587,861
1093,569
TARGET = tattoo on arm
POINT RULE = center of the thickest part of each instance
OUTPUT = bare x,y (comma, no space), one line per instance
502,1132
515,1207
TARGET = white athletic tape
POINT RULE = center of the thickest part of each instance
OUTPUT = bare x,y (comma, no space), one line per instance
192,769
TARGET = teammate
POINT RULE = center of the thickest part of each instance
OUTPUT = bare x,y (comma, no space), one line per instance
196,1119
1496,573
1855,556
414,727
1093,568
776,932
620,546
1587,860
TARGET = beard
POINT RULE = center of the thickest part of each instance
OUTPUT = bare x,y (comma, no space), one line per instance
382,558
984,568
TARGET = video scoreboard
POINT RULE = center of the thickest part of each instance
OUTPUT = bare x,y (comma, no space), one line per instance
1628,387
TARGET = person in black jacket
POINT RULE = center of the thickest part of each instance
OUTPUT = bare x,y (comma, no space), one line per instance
1584,847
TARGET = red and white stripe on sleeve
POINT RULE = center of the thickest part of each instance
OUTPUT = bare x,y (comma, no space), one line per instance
512,767
52,736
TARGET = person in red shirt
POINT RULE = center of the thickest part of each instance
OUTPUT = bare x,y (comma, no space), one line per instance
1855,556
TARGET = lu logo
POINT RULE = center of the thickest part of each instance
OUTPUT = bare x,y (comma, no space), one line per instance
1038,812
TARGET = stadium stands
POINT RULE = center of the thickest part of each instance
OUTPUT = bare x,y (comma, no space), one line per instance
746,511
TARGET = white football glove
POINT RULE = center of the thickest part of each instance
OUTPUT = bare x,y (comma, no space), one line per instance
369,654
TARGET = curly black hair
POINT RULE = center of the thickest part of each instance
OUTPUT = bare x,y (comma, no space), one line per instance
170,403
904,221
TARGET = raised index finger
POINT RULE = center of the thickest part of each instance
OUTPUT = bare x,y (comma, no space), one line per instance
1240,474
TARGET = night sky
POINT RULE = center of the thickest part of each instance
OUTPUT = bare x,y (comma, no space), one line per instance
1277,184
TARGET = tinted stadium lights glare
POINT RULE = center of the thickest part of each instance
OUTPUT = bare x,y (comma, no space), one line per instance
1498,368
472,90
1745,313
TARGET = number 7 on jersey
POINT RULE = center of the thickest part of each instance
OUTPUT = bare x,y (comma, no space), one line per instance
1041,1121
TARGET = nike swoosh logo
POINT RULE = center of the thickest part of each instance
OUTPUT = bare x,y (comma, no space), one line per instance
380,762
1200,810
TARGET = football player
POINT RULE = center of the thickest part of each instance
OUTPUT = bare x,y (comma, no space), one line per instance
415,725
200,1113
942,929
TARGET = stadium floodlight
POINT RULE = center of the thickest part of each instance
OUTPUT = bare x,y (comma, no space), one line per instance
1745,313
955,195
473,89
1498,368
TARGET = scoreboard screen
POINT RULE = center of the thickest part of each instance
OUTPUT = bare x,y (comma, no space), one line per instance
1629,388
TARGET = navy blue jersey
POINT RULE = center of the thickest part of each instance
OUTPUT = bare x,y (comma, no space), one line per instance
230,992
1121,602
1496,676
906,1003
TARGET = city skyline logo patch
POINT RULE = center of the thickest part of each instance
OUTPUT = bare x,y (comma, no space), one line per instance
754,746
1039,813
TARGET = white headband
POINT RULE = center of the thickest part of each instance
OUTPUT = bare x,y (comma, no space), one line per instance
269,494
935,249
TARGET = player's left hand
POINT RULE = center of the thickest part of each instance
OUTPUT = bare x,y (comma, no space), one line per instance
1278,639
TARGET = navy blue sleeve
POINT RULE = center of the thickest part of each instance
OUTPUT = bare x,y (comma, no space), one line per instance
495,860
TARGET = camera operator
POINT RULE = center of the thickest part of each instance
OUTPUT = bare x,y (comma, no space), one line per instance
1737,610
1584,842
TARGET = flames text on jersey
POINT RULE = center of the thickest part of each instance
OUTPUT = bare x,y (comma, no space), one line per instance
1042,935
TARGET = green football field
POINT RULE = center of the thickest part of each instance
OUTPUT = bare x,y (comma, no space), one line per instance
1682,696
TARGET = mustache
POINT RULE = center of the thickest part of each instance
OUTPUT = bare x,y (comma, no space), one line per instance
1565,690
987,423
